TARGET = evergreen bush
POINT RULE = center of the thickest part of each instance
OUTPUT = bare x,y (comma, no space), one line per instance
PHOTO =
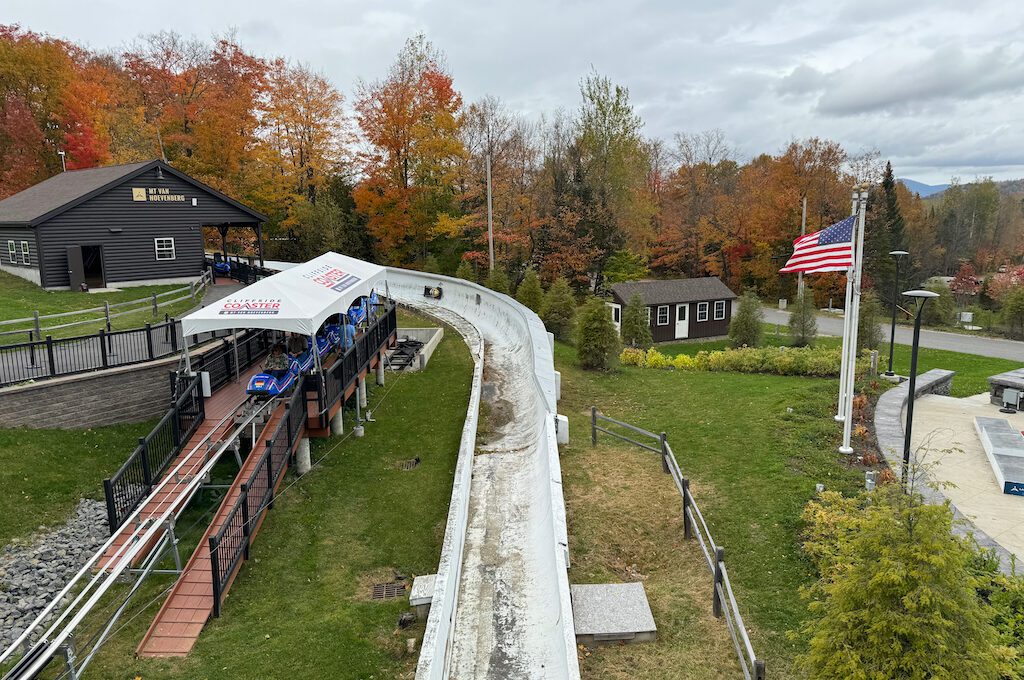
559,310
530,293
803,320
746,329
497,281
597,342
636,331
465,271
869,330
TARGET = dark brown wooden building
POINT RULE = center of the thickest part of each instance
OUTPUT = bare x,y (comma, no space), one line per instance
678,308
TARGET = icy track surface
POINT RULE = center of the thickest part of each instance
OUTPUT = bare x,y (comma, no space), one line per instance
501,608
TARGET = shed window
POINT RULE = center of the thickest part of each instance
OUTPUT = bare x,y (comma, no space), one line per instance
648,310
12,252
719,310
616,313
26,254
662,315
702,311
164,248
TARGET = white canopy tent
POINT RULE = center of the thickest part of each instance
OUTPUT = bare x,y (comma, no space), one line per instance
298,299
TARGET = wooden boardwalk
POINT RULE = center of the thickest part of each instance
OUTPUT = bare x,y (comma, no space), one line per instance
223,402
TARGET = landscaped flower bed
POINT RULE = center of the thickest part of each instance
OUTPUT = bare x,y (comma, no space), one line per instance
820,362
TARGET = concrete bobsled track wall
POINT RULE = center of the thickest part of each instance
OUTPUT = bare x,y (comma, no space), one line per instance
544,627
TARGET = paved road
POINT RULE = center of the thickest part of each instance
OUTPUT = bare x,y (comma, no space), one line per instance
955,342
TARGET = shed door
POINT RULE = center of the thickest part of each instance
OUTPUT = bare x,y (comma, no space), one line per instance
76,271
682,322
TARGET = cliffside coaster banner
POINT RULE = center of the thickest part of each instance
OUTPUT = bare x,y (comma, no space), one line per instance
332,278
253,306
156,195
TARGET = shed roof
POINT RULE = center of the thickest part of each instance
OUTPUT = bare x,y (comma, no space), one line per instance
65,190
674,290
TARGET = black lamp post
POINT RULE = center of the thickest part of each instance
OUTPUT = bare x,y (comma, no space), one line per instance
897,255
921,297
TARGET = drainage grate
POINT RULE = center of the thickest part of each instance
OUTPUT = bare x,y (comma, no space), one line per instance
387,591
409,464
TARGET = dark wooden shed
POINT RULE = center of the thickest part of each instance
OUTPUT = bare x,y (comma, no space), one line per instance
119,225
678,309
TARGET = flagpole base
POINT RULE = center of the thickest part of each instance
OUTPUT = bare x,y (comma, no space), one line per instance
839,418
845,450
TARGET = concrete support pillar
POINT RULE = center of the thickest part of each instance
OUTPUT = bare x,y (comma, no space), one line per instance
337,422
558,386
361,391
302,463
380,369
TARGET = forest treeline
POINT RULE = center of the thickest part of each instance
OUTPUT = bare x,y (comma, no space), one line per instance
395,170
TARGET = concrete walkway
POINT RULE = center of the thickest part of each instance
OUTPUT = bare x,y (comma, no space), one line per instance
954,342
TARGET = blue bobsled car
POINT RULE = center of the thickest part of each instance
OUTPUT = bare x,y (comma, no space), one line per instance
267,385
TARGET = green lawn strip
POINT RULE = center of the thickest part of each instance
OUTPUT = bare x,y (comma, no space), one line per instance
972,371
44,473
300,606
757,462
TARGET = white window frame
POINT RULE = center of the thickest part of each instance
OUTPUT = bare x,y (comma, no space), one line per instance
719,310
12,252
617,314
162,248
26,253
663,308
648,315
702,311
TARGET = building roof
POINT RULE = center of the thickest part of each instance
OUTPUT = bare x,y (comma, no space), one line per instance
65,190
674,290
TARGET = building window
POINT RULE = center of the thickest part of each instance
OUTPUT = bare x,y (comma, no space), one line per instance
648,310
164,248
616,314
702,311
719,310
26,256
663,315
12,252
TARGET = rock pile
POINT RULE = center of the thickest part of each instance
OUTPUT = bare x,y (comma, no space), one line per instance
33,571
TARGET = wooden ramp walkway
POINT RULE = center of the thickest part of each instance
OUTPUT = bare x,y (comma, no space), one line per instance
180,620
223,402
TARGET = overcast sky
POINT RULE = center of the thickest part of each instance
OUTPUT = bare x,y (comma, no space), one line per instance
937,87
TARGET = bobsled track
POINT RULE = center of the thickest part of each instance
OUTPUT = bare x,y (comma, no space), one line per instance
501,606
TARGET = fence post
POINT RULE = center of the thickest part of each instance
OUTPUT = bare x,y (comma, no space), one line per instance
270,474
663,439
245,516
175,424
716,601
144,455
167,327
687,533
35,324
593,426
31,349
49,355
106,314
758,669
108,491
149,339
174,335
103,348
156,307
215,573
192,290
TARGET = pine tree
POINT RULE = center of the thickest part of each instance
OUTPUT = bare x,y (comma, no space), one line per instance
530,293
746,330
597,343
803,320
636,330
465,271
559,309
869,331
891,211
497,281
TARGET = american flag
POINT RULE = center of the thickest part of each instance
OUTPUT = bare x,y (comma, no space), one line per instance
828,250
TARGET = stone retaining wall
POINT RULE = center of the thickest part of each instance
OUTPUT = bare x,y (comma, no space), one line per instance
889,432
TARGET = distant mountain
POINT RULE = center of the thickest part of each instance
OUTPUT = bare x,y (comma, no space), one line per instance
925,190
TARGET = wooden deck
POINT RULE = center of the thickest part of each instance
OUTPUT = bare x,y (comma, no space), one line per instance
223,402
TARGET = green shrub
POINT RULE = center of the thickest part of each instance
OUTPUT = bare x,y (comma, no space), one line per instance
559,310
636,331
807,361
497,281
803,320
597,341
631,356
465,271
530,294
940,311
656,359
869,330
745,329
1013,310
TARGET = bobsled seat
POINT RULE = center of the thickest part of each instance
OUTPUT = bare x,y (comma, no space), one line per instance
221,267
323,346
305,361
333,331
266,385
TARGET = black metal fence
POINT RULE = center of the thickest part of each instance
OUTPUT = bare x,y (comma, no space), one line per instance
243,271
344,371
723,601
221,362
52,357
230,545
134,481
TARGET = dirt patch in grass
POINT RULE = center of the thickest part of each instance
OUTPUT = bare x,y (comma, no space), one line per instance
625,525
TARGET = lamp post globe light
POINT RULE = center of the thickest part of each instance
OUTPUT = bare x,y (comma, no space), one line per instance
921,297
896,255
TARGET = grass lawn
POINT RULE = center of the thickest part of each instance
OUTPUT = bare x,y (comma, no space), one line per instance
972,371
44,473
300,607
21,298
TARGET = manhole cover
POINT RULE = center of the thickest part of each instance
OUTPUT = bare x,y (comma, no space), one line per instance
387,591
409,464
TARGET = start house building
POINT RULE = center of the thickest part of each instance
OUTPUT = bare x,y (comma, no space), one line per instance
120,225
678,308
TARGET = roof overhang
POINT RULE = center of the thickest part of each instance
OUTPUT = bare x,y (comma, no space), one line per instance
298,299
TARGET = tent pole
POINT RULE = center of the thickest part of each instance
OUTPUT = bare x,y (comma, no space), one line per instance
321,394
188,360
234,349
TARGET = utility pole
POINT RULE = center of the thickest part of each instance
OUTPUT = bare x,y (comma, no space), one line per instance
803,232
490,216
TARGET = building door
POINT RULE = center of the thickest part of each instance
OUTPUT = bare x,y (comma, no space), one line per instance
682,322
76,270
92,266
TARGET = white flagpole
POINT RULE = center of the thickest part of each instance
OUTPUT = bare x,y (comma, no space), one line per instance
841,406
851,368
